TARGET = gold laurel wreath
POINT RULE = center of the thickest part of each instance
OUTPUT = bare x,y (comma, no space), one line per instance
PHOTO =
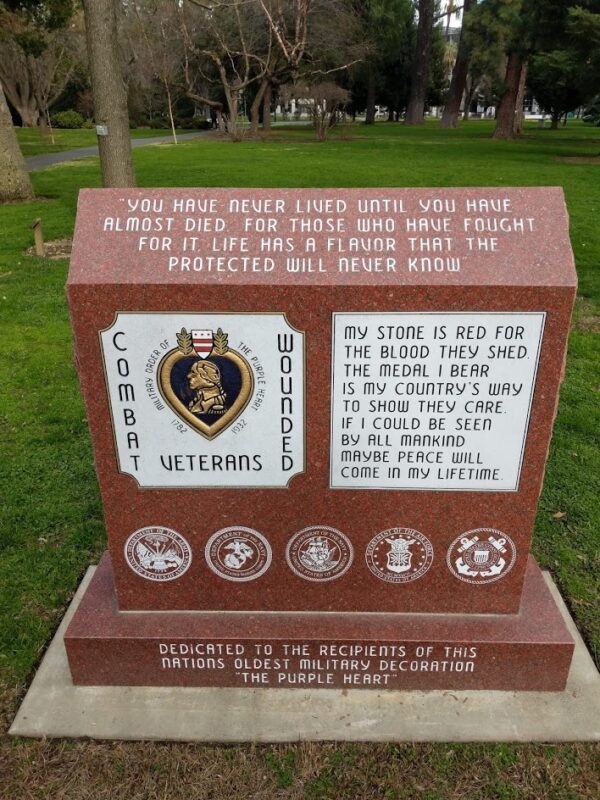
184,340
221,345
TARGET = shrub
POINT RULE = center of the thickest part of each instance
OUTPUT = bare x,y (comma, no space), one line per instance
68,119
591,114
192,123
325,102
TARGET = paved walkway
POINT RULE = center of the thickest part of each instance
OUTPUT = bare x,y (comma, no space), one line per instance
47,159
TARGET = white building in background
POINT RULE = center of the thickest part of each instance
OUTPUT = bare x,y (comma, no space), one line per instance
451,16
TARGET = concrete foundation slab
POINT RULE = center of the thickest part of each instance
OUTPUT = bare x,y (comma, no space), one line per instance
53,707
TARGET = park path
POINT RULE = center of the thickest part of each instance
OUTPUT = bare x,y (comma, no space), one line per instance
48,159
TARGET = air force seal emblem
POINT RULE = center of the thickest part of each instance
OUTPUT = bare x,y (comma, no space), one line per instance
399,555
205,382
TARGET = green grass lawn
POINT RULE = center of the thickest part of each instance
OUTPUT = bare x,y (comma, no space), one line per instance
51,519
33,142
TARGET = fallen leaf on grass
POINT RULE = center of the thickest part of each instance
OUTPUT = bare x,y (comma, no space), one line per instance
559,515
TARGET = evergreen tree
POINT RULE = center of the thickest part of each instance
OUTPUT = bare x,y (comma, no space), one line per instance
381,77
420,70
557,82
519,34
460,71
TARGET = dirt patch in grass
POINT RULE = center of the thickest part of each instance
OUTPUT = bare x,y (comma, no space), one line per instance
38,198
579,159
59,248
589,324
81,161
585,317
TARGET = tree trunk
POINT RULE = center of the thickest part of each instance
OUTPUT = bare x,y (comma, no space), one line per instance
30,116
467,104
468,98
266,117
555,120
458,81
254,114
232,121
47,122
370,114
420,72
110,95
14,178
505,119
519,112
170,107
18,92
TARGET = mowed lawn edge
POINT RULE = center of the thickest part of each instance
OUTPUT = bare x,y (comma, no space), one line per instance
34,142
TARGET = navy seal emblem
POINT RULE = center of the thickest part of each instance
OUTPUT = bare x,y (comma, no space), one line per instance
205,382
319,553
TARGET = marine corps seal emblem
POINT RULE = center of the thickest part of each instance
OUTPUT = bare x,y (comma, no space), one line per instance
205,382
482,555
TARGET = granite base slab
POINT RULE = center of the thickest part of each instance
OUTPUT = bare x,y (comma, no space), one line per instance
54,707
529,651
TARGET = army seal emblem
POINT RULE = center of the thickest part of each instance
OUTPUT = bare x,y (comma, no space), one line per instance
482,555
238,554
205,382
319,553
399,555
157,553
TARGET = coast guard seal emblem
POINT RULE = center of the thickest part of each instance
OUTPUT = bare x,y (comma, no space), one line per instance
205,382
482,555
157,553
399,555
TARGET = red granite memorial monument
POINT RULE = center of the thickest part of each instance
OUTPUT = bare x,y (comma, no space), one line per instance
320,422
